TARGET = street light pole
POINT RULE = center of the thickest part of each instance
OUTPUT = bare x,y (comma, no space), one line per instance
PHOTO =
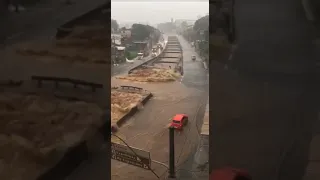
172,173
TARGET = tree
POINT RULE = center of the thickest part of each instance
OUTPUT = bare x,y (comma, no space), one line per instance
184,25
140,32
201,27
201,24
114,25
189,34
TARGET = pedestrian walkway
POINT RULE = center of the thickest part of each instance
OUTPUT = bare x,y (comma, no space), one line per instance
205,125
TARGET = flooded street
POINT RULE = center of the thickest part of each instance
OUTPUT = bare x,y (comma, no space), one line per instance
148,128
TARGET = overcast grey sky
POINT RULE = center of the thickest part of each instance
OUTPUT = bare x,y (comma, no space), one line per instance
155,12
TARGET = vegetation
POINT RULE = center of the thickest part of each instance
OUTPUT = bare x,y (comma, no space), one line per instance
198,34
201,28
131,54
140,32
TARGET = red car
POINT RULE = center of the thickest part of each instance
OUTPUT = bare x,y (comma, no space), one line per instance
230,174
179,120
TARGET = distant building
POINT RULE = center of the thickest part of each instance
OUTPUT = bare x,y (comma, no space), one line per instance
142,46
120,54
116,39
189,22
125,33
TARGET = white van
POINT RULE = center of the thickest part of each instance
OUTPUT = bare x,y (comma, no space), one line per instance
140,56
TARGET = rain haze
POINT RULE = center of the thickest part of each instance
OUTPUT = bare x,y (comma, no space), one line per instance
153,12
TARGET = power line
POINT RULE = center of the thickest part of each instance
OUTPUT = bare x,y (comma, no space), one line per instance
135,154
189,129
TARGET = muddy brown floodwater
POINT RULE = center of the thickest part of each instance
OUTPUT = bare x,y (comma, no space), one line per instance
154,74
122,101
148,128
85,45
36,131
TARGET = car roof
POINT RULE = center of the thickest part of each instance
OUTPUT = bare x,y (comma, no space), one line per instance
178,117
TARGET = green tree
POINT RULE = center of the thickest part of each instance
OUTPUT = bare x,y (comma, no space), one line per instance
201,28
140,32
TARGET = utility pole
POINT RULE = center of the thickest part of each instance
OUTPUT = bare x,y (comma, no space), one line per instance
172,173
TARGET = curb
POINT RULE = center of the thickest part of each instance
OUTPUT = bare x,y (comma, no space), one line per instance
132,112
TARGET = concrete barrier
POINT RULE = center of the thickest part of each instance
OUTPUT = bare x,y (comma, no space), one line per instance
67,28
77,154
147,62
133,110
80,152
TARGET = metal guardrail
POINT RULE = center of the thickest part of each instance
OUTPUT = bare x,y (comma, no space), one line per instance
131,87
58,80
11,83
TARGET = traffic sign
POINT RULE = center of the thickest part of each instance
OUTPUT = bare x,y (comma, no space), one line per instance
123,153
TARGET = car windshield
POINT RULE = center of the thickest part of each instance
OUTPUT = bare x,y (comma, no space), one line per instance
176,122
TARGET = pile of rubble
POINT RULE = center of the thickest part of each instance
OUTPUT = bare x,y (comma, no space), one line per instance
36,131
152,75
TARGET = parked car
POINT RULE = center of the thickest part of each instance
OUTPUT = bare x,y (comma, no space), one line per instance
193,57
179,121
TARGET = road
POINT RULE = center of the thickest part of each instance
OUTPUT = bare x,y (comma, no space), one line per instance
195,76
263,121
148,128
125,67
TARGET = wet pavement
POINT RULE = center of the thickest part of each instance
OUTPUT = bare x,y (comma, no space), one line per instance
148,129
125,67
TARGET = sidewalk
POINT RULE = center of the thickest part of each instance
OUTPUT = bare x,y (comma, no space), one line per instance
202,155
205,125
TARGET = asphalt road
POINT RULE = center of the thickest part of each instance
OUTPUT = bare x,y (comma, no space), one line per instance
195,76
262,114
